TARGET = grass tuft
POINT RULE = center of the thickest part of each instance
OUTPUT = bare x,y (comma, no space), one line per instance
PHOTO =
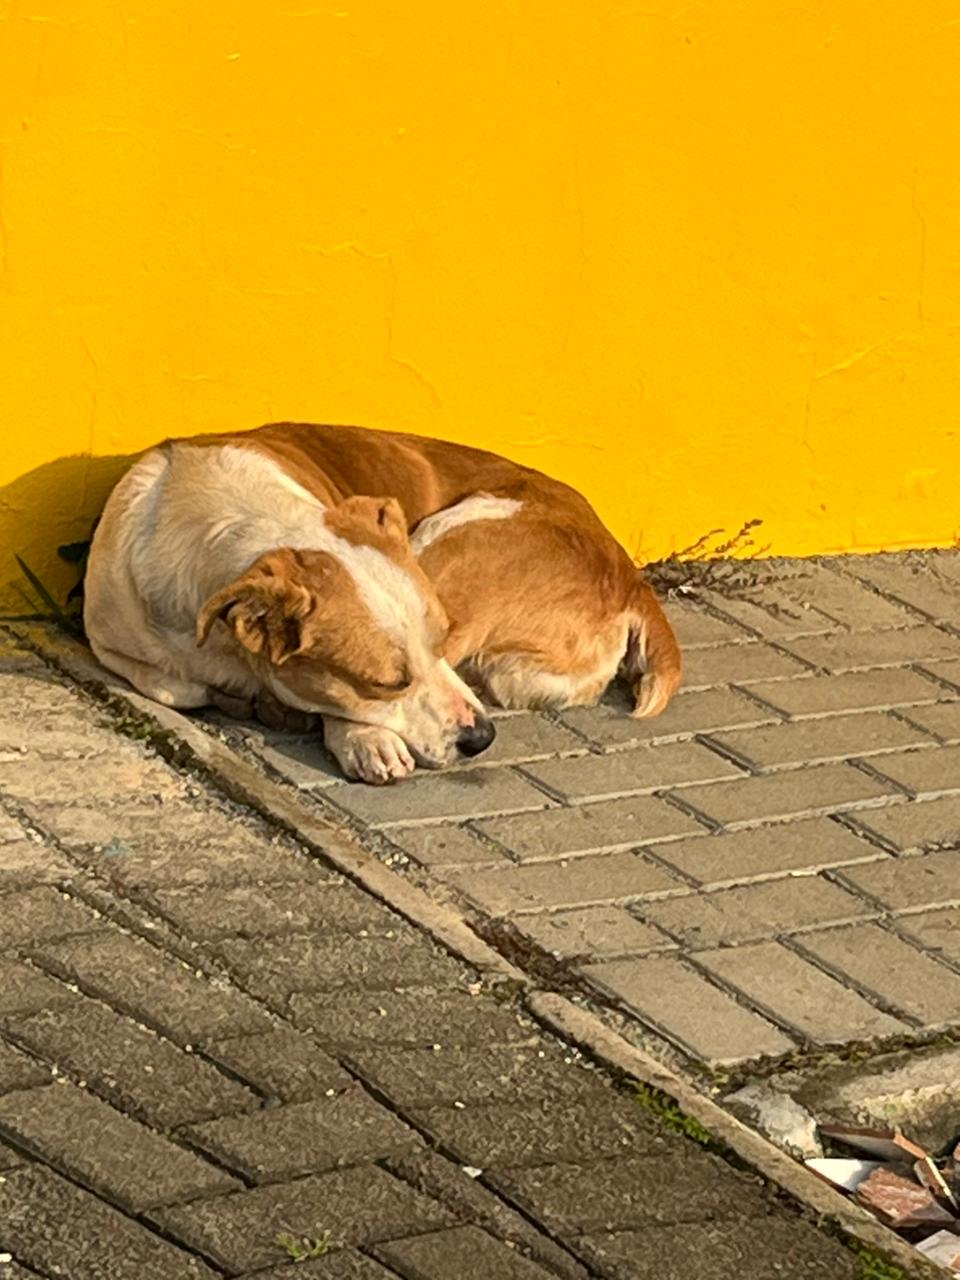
300,1248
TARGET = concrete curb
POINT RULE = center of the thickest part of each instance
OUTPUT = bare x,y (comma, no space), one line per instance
187,744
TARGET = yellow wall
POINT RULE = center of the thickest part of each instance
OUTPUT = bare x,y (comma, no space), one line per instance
702,260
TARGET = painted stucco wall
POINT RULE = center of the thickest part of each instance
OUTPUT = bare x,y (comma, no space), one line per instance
702,260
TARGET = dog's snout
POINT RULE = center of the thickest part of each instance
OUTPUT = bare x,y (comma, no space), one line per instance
476,737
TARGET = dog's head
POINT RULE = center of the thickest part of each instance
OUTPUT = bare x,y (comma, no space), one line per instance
355,629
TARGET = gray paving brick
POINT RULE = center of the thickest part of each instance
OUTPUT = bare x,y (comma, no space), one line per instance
937,931
128,773
739,664
608,826
466,1252
529,737
757,911
359,1206
545,1131
794,793
911,827
11,831
302,761
24,864
445,846
19,1071
267,910
855,691
760,852
138,979
925,773
580,882
60,1229
454,1074
593,931
771,613
903,883
106,1150
908,578
947,672
463,793
344,1264
846,652
413,1019
684,1007
25,989
647,768
794,993
282,1143
821,740
881,963
281,1064
842,597
695,628
699,711
32,915
640,1191
941,719
274,968
31,741
130,1067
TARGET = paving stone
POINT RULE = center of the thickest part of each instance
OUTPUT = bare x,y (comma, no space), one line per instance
697,712
359,1206
855,691
916,580
948,672
106,1150
681,1004
794,993
446,846
928,774
38,742
413,1019
549,1131
756,911
274,968
27,695
33,915
464,793
593,931
24,863
18,1071
695,628
646,768
825,788
902,883
127,1065
610,826
937,931
528,736
846,652
879,962
770,612
138,979
449,1073
941,719
24,989
344,1264
762,852
281,1064
63,1230
813,741
302,761
912,827
580,882
738,664
11,831
465,1252
282,1143
74,781
10,1159
631,1192
762,1248
252,911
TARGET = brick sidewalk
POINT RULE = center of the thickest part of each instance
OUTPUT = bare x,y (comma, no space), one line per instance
209,1040
771,866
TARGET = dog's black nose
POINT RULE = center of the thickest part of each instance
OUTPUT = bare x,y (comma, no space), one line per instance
476,737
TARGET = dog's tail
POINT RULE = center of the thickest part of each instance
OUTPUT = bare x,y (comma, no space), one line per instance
652,664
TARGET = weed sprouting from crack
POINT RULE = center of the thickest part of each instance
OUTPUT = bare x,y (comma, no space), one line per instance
670,1114
709,565
301,1248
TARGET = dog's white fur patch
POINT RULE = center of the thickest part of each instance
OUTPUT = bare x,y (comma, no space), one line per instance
479,506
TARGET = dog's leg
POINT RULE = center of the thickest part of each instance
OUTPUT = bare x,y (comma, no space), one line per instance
367,752
147,679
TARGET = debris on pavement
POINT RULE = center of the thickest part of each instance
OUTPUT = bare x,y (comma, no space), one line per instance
904,1186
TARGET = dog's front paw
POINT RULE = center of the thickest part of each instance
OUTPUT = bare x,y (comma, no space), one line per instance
366,752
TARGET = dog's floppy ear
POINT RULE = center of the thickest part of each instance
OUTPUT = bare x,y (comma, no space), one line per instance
264,608
363,519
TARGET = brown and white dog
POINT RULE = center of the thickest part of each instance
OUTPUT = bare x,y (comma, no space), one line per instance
256,565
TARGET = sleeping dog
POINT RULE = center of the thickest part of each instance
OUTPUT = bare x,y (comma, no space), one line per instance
255,566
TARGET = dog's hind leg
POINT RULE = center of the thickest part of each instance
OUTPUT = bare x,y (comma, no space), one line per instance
149,680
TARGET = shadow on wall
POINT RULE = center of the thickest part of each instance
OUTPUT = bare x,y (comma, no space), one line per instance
46,508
